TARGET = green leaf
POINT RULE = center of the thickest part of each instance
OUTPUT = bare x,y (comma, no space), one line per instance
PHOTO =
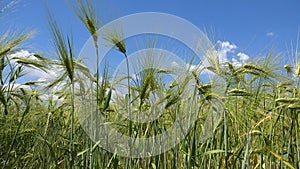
95,145
215,151
82,152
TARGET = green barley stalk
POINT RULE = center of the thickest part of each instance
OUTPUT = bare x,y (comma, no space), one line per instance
65,54
26,111
87,14
116,39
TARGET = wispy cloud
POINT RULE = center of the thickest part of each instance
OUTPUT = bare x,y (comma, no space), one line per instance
270,34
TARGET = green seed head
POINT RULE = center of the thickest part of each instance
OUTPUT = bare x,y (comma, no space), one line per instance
288,68
297,72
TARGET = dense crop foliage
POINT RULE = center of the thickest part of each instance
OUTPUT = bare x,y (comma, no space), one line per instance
255,125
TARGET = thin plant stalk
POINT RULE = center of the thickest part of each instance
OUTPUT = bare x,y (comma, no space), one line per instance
26,111
87,14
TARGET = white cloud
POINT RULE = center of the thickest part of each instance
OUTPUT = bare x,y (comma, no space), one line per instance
42,77
21,54
52,71
236,62
270,34
225,48
243,57
29,71
225,52
16,86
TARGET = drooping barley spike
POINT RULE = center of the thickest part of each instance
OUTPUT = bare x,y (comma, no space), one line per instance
238,92
297,72
204,88
287,100
116,39
254,67
288,68
294,106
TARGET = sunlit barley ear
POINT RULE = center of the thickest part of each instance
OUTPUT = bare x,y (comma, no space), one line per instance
288,68
116,39
86,13
297,71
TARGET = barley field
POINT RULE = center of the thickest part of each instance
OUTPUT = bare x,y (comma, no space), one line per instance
252,122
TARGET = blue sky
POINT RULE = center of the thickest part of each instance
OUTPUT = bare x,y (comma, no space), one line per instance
254,26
